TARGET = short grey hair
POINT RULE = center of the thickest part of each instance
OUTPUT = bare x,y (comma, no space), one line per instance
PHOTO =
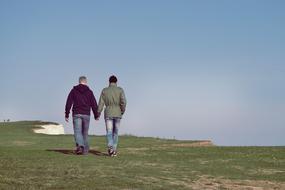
82,79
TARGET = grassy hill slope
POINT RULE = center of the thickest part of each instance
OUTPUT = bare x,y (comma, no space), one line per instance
38,161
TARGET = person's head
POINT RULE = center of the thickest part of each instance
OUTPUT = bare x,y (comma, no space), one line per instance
83,80
113,79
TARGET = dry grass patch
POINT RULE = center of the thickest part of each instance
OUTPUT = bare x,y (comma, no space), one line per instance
267,172
22,143
190,144
219,183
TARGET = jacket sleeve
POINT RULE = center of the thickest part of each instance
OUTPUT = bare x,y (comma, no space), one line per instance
101,103
94,105
69,103
123,102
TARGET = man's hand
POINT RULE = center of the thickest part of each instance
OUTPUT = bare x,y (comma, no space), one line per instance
66,119
97,118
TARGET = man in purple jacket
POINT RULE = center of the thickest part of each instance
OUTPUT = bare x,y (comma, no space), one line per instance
82,100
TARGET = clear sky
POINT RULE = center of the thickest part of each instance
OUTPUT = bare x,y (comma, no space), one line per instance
198,69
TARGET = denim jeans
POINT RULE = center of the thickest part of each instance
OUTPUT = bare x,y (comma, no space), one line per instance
112,129
81,127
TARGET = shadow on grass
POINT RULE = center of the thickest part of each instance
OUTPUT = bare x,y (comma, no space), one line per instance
72,152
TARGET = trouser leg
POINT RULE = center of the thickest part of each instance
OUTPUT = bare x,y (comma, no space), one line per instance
116,125
109,132
77,126
85,128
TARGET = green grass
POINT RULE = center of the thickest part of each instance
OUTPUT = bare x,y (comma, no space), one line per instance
29,161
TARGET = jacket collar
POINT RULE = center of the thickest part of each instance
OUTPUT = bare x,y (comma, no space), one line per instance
113,84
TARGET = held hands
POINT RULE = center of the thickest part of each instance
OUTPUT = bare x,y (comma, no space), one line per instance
97,116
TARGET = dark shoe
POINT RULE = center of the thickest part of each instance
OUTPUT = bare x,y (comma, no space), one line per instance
115,153
79,150
110,151
85,152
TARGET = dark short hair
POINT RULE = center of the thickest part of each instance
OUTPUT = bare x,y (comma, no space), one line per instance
113,79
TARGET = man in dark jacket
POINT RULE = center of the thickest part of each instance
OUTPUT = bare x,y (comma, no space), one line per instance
82,100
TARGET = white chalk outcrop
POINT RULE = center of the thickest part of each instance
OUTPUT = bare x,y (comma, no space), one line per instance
50,130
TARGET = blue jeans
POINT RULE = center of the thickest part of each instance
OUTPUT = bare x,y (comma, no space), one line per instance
81,127
112,129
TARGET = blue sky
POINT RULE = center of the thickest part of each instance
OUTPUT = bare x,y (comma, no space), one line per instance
190,69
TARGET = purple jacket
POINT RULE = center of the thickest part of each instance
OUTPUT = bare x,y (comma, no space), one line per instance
81,99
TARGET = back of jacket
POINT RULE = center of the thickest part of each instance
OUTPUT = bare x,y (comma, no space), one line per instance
114,99
81,99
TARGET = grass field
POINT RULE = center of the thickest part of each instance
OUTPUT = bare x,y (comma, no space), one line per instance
38,161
